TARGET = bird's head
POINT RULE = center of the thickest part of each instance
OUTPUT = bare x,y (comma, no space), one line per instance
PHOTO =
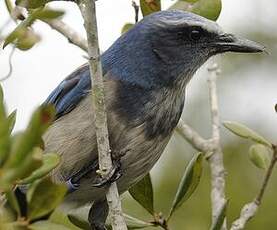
171,45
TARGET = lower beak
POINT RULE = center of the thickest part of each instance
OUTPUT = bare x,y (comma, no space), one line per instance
229,42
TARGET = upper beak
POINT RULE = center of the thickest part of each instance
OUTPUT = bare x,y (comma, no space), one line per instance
229,42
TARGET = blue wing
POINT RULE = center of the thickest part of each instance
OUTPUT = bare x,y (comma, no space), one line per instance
70,91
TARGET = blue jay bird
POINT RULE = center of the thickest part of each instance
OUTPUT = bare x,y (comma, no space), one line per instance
145,72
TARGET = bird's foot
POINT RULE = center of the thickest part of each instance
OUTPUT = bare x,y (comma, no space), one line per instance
112,176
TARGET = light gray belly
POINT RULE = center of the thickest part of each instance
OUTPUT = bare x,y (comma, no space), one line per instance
137,161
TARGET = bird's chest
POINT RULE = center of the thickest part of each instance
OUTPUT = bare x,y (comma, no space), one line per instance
141,139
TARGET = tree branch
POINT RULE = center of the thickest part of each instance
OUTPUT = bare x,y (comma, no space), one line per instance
249,210
72,36
87,8
193,137
216,159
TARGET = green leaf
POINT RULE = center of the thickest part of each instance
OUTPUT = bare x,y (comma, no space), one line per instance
219,220
245,132
46,225
5,141
79,221
31,137
31,4
12,175
59,217
47,14
11,121
13,201
259,155
209,9
188,183
27,40
142,192
44,197
134,223
126,27
150,6
49,162
1,94
17,33
79,217
20,31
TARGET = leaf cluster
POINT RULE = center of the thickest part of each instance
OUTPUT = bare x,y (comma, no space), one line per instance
23,36
22,162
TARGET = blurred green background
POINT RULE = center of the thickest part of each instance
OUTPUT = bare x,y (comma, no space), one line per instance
247,89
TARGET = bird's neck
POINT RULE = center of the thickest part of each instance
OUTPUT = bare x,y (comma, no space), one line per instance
142,63
157,110
164,116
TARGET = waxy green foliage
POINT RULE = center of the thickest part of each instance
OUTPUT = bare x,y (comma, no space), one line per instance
80,220
142,192
31,4
259,156
6,125
49,162
43,197
19,154
188,183
22,160
245,132
206,8
134,223
23,36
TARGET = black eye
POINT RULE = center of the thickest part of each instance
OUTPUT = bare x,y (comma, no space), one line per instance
195,35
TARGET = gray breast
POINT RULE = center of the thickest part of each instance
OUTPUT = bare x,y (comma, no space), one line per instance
137,136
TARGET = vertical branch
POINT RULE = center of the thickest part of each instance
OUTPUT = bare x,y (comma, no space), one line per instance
87,8
216,159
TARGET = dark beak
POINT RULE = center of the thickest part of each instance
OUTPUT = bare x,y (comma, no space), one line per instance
229,42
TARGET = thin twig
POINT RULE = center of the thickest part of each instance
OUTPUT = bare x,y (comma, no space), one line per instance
193,137
56,24
216,159
136,8
249,210
267,176
10,66
87,8
72,36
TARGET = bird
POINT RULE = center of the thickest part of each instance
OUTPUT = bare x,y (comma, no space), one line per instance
145,71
